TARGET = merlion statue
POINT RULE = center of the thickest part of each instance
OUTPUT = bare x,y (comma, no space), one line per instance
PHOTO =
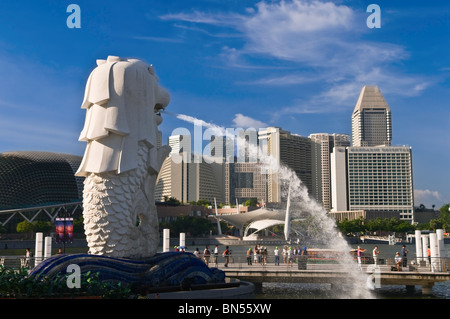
122,160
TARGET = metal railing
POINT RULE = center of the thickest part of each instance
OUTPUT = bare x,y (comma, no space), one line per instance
17,262
240,261
441,264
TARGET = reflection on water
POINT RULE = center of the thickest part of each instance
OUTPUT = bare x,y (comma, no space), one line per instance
325,291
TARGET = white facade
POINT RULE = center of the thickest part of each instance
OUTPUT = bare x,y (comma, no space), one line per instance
322,146
380,178
338,176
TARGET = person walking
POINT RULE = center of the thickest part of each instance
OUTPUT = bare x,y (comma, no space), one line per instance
276,253
226,255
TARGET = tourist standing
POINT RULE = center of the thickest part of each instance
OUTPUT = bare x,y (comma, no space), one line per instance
264,255
285,254
197,253
359,253
289,256
206,255
249,256
375,253
216,256
404,256
256,254
28,256
398,261
276,253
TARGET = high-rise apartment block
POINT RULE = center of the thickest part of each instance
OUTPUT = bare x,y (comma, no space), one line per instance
377,179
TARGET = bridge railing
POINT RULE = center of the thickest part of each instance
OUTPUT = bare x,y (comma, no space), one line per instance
241,261
441,264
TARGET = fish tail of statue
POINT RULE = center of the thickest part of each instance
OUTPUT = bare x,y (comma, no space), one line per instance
119,220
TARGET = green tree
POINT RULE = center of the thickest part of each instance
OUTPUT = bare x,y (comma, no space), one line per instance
201,202
444,216
351,226
42,226
443,221
25,227
195,226
251,202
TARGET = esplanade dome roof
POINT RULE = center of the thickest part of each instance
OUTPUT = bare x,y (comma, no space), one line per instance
31,178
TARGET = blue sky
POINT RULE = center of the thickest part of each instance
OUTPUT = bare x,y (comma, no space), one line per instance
297,64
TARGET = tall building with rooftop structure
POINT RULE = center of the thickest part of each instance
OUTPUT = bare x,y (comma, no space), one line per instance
371,119
372,175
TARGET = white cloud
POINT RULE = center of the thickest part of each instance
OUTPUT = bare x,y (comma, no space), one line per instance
323,39
427,197
159,39
243,121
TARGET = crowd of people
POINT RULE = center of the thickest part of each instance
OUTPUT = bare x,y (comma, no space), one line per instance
212,256
255,255
400,258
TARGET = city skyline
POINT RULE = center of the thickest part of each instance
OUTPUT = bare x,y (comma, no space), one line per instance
297,65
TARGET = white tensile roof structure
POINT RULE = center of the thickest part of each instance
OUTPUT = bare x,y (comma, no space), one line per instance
262,218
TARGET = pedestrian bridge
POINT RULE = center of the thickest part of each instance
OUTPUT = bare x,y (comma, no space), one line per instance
336,274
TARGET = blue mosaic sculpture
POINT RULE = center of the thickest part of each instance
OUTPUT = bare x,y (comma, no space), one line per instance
168,269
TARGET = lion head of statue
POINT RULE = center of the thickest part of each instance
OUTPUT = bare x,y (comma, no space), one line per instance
123,101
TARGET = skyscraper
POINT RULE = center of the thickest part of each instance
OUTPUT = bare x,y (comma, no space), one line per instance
322,147
372,175
371,119
380,178
187,176
289,149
